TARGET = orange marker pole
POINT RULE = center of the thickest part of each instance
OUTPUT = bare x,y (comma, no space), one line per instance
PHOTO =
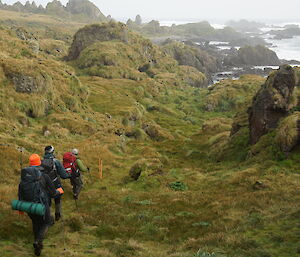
100,169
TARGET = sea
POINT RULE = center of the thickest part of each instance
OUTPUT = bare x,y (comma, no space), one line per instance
287,49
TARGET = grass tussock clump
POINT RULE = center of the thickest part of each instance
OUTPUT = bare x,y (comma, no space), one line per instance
156,132
287,134
75,222
216,125
57,48
229,95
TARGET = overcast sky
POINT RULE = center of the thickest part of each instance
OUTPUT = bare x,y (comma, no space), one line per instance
197,9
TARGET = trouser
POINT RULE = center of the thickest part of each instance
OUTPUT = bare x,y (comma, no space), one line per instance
57,204
40,225
77,184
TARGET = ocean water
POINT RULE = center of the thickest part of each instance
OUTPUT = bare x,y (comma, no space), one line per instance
288,49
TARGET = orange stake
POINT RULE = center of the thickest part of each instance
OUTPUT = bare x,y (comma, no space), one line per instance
100,169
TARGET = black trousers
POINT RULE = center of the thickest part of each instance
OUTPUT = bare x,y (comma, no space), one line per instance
40,225
57,204
77,184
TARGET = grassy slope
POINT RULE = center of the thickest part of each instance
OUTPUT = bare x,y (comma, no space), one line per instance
220,211
44,26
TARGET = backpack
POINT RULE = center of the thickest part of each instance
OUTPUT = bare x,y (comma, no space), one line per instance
69,162
50,168
32,186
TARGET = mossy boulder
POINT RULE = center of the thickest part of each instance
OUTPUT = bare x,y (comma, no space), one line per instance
272,102
156,132
91,34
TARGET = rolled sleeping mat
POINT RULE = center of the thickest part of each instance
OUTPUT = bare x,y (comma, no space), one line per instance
33,208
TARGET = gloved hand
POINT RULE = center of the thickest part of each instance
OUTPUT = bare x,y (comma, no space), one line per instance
60,190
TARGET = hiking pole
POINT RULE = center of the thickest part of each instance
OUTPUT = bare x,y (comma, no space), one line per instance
21,156
21,161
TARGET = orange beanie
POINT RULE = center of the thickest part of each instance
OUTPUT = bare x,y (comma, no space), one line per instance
34,160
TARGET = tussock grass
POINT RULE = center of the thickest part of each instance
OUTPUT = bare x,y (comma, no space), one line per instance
231,95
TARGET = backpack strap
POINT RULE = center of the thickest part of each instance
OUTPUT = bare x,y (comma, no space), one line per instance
54,169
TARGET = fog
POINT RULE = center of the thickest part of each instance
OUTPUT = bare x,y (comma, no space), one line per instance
197,9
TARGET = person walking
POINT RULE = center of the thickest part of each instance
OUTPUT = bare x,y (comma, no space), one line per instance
74,166
55,170
37,187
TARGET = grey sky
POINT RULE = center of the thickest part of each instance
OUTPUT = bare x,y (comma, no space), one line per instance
197,9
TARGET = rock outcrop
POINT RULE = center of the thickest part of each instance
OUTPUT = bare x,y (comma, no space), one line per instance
271,103
289,32
27,84
89,35
79,10
191,56
252,55
30,39
90,11
56,8
245,26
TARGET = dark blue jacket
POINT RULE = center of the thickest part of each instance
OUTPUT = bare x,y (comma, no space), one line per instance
61,172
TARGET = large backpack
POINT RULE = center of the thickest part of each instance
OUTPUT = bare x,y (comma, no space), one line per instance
32,186
69,162
50,168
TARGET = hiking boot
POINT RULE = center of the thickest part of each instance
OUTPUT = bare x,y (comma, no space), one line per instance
57,216
38,246
75,196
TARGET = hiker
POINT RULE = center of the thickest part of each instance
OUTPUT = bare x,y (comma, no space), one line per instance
55,170
37,187
74,166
